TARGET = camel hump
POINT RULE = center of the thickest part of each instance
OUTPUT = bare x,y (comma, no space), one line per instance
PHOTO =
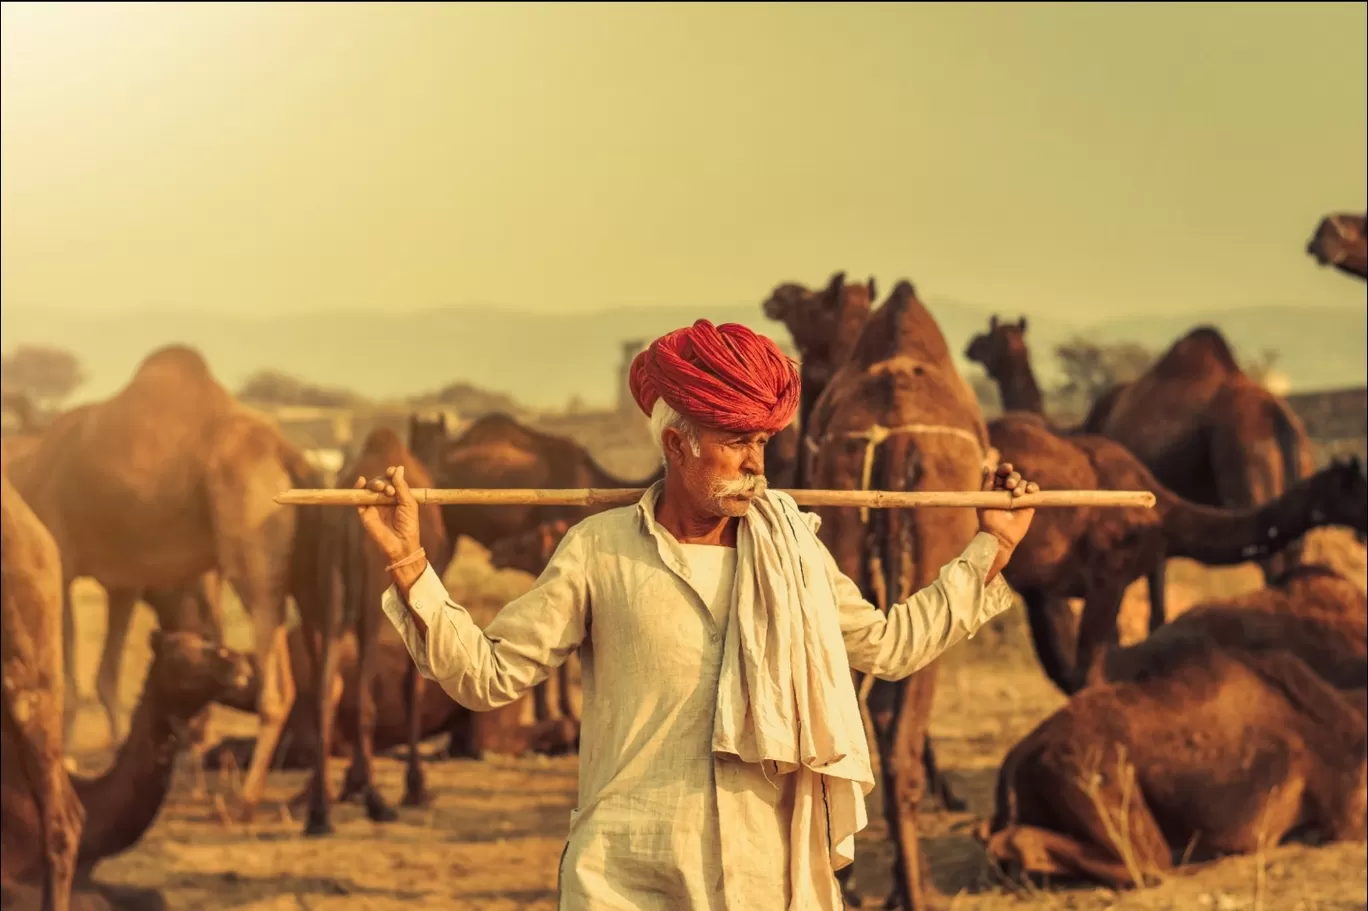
179,358
1201,349
901,325
383,441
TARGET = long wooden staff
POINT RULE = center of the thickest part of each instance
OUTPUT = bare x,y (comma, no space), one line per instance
622,496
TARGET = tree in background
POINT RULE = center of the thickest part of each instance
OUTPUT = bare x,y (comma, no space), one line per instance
272,387
1090,368
41,375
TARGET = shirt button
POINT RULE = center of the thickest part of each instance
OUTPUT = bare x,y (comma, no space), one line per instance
715,637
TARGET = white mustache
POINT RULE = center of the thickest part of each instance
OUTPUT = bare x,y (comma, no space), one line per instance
746,484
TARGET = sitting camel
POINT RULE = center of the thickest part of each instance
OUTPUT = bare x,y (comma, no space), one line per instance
1339,241
165,481
186,674
31,688
355,581
1207,431
1239,723
1095,554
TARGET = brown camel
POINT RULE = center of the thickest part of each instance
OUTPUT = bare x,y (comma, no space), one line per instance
186,674
1231,727
898,416
33,694
1339,241
825,325
496,451
471,735
169,479
529,552
1005,358
1207,431
356,581
1095,554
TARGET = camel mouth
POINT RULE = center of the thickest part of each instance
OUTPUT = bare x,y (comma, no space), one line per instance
774,308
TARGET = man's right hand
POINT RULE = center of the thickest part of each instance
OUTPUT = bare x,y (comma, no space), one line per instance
394,529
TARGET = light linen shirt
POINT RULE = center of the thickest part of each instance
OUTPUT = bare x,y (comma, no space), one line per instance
661,824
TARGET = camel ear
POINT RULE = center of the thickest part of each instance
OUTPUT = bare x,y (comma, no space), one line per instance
992,323
873,291
1021,324
837,282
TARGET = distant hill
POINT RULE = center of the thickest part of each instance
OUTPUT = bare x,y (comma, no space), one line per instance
543,360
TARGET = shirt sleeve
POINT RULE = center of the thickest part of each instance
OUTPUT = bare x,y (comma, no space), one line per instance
529,637
917,631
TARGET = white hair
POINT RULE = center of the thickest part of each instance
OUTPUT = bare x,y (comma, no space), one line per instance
663,416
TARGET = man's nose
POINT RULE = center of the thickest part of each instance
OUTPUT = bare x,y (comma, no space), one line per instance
754,462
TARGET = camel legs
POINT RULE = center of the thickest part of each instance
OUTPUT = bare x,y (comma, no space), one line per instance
1096,633
1052,633
415,784
122,602
71,695
900,712
1157,594
359,777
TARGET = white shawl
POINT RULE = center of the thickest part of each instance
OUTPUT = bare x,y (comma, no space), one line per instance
785,694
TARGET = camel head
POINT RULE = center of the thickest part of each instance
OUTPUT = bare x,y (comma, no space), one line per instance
1338,493
1339,241
814,318
188,672
531,550
1001,346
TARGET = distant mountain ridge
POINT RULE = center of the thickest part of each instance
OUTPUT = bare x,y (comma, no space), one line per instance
542,360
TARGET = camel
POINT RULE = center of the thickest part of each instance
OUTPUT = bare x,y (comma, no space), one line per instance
1340,242
1095,554
497,451
471,735
165,481
1003,354
1235,725
186,674
529,552
33,693
825,325
357,579
898,416
1208,431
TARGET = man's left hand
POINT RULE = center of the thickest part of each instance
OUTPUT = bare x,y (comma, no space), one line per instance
1009,526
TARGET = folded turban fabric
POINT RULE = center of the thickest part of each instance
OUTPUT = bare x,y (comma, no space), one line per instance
725,377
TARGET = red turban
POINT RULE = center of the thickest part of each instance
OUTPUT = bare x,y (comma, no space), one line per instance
725,377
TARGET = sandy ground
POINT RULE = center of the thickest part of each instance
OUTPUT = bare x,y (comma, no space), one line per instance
491,838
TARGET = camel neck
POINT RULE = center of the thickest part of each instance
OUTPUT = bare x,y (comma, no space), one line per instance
1224,537
1018,388
122,804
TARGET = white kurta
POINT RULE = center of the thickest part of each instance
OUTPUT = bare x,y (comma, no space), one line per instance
661,824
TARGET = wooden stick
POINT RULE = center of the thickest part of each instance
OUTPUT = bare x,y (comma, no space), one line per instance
622,496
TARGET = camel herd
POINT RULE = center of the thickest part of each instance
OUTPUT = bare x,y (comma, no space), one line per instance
1228,728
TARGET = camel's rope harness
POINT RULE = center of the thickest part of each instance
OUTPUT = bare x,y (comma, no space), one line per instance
874,436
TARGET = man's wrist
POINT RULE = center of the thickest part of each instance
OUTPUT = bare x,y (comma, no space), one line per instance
405,577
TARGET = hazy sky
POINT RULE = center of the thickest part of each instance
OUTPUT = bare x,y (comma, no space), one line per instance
1062,159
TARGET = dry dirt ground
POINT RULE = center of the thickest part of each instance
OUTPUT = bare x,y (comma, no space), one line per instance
493,835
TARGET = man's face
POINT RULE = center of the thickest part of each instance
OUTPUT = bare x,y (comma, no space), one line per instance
727,473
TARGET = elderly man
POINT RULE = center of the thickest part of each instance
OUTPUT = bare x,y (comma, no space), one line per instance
723,762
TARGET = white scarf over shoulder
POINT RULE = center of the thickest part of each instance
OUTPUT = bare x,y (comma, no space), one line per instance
785,694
